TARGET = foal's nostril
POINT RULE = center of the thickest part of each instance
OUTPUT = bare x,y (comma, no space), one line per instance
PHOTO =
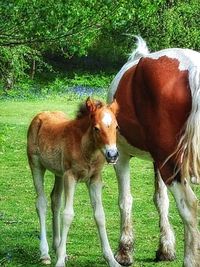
112,155
109,154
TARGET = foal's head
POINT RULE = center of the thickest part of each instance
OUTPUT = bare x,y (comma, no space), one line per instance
104,127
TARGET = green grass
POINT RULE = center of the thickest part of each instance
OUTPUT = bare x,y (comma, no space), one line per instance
19,227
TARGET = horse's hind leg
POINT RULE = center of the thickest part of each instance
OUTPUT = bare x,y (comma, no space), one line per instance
41,206
187,204
166,250
56,196
124,254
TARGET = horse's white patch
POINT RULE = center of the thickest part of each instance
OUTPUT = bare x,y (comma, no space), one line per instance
187,58
107,119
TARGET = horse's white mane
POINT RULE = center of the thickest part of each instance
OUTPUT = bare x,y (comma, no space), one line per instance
141,50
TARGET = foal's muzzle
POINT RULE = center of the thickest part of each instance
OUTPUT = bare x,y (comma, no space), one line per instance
111,155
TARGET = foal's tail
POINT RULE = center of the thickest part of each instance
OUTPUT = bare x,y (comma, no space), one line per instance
32,135
189,144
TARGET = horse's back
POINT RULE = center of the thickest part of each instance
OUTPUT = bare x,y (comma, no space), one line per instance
186,59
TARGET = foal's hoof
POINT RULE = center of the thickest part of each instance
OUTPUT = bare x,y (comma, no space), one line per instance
165,256
45,260
124,255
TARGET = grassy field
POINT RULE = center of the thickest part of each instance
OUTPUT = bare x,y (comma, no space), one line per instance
19,227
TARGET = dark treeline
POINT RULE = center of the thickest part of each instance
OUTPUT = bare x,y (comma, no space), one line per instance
33,34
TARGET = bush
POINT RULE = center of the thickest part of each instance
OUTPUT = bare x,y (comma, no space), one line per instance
76,84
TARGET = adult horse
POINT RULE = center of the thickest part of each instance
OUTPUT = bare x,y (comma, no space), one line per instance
159,98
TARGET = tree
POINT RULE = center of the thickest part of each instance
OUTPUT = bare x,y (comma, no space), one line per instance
31,29
28,30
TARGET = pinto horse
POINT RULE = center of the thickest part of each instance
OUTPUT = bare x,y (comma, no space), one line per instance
74,150
159,98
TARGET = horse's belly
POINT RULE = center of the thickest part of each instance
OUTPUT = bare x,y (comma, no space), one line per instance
126,148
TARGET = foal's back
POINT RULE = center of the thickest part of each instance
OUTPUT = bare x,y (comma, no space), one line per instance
45,140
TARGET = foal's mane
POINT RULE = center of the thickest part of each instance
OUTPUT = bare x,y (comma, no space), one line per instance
83,110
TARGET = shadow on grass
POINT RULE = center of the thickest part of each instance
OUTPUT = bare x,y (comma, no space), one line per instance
18,257
147,260
24,257
153,262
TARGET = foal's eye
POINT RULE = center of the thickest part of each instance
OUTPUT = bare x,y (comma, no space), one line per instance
117,127
96,129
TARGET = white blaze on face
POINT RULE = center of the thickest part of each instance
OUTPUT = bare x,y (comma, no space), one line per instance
107,119
111,147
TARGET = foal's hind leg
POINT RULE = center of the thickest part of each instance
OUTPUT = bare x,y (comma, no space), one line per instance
125,250
56,196
41,207
187,204
68,215
166,250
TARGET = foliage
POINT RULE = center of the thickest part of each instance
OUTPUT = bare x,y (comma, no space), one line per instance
80,84
29,30
50,24
15,63
162,23
32,31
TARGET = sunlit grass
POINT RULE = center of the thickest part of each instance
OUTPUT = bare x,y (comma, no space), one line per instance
19,227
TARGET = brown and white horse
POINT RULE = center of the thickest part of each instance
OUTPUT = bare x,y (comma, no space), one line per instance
74,150
159,99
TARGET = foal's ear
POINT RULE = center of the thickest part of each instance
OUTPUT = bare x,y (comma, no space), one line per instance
114,107
90,104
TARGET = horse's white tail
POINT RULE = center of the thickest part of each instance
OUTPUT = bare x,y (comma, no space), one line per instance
140,51
189,144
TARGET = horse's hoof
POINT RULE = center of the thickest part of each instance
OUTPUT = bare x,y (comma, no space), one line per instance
46,260
165,256
124,256
60,264
195,180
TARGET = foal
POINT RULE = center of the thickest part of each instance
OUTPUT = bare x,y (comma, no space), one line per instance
74,150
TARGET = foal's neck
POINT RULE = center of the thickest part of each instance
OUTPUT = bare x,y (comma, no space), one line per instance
89,149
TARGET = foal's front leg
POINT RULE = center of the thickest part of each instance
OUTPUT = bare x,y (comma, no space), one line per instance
166,250
68,215
95,191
